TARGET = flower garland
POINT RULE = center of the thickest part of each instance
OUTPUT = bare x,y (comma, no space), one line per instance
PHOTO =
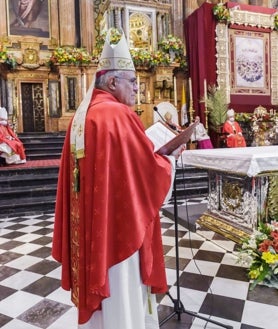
221,13
70,55
259,254
143,57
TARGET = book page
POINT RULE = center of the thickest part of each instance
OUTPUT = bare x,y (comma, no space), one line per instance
159,134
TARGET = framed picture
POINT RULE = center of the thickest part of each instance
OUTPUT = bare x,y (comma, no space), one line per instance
249,62
28,17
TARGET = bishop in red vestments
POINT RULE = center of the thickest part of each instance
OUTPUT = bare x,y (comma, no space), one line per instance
108,201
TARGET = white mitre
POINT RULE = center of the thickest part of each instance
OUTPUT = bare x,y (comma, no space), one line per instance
3,113
113,57
230,113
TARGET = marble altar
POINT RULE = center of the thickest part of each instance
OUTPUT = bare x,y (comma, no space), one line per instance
243,188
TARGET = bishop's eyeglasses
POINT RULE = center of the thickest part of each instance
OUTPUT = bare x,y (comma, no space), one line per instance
132,81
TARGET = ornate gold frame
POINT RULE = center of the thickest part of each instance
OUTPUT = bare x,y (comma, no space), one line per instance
10,7
246,18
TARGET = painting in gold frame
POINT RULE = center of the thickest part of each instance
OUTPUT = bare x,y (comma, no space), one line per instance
28,17
249,62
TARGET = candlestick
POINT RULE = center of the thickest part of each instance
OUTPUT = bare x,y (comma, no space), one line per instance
138,91
205,91
175,91
191,110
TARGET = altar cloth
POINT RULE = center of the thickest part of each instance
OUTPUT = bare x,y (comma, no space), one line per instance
249,161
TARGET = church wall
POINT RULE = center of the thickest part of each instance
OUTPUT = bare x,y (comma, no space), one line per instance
56,26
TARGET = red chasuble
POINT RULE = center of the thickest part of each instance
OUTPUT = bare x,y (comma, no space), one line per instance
123,184
234,140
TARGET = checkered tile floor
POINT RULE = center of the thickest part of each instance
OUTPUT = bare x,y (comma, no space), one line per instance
211,283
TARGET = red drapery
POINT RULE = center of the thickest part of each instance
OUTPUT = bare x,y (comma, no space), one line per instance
201,52
200,48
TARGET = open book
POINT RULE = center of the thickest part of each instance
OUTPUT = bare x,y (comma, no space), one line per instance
165,139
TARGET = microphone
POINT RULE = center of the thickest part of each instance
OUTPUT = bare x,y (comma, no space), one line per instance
156,110
167,123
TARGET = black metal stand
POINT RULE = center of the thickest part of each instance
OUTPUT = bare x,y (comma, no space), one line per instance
178,306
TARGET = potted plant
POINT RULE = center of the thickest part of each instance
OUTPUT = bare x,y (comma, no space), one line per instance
217,107
173,46
221,13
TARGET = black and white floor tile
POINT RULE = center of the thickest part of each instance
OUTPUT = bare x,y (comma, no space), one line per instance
212,285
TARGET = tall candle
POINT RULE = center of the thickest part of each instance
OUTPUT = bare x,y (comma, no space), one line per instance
138,91
149,96
84,84
205,91
190,89
175,92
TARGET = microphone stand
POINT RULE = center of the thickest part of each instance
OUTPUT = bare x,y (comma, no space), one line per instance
178,306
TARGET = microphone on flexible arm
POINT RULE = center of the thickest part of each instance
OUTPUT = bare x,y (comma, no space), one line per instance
167,123
156,110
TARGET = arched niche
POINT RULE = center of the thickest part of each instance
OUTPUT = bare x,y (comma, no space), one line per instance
140,31
141,27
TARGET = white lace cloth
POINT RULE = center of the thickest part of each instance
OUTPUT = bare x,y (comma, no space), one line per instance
250,161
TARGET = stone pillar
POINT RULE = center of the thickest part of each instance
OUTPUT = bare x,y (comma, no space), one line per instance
3,20
67,22
118,18
177,18
159,26
87,24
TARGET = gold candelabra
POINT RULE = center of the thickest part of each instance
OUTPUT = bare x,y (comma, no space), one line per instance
206,116
191,110
139,111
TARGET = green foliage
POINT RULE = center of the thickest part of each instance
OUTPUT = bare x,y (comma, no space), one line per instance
217,107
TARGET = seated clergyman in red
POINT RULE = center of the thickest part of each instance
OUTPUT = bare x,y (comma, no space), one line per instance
233,131
11,148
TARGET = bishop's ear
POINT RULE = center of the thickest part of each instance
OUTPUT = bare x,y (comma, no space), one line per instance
112,83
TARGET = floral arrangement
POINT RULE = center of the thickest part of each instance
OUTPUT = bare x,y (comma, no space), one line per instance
142,57
171,43
115,37
7,58
261,114
259,254
221,13
275,21
243,117
70,55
